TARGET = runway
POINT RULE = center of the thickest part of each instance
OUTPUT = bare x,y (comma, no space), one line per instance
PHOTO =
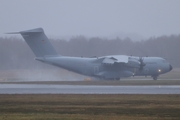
82,89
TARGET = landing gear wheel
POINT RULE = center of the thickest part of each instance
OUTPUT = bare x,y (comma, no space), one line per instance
154,77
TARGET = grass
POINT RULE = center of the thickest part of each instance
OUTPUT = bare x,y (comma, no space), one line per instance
89,107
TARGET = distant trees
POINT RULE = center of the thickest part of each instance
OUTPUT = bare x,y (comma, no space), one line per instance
15,53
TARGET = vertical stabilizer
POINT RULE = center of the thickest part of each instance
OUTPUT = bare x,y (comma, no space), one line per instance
38,42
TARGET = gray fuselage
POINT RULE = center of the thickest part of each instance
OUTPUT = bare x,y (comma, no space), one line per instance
94,66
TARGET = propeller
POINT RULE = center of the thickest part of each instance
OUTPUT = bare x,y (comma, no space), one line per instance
142,64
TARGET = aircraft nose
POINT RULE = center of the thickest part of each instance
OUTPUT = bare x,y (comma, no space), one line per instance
170,67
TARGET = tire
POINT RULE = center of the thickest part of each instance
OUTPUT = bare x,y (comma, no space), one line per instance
154,77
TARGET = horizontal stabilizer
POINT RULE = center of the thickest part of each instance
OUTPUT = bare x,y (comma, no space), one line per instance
13,33
36,30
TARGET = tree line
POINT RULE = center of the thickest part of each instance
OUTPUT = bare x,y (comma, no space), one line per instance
15,53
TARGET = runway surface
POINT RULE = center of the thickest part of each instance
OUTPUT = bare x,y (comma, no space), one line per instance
81,89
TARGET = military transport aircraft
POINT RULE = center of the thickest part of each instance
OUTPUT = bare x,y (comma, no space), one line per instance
112,67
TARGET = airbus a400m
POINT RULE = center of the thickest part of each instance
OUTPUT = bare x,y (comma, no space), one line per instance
111,67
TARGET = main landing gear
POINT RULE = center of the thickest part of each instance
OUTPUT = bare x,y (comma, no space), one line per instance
155,77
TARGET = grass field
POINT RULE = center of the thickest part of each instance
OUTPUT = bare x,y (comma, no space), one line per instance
89,107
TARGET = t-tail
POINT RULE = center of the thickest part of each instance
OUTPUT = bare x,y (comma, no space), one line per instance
38,42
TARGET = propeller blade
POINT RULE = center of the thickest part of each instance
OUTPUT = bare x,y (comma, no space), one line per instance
142,64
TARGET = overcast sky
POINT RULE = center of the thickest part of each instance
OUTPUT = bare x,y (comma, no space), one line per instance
92,17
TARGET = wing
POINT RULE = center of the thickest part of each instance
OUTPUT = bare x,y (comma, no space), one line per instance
115,59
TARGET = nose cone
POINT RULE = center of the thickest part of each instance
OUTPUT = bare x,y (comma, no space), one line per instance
170,67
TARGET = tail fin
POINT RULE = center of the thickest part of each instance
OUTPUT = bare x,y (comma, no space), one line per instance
38,42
